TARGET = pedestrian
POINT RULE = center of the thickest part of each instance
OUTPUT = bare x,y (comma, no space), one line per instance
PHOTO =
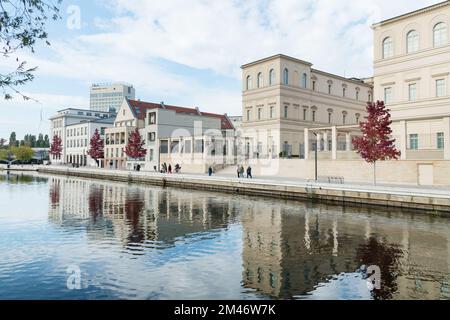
249,172
242,171
210,171
170,168
238,170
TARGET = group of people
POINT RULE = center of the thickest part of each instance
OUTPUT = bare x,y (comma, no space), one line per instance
168,168
240,172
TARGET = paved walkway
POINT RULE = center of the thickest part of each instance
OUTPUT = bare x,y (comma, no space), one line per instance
428,191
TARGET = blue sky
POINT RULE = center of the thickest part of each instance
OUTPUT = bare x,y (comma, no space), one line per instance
188,52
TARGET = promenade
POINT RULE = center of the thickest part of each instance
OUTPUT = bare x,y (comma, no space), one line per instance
431,199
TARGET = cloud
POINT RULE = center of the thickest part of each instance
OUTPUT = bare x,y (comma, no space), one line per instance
213,39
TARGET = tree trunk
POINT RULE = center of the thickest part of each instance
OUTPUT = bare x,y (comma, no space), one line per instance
375,173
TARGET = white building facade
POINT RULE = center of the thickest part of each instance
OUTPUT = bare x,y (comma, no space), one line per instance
283,95
411,74
69,117
78,138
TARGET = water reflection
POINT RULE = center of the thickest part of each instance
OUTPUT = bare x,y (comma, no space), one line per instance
136,241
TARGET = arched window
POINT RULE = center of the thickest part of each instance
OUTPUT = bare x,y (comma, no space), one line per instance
388,48
305,80
286,76
440,34
249,83
271,77
412,41
260,80
357,116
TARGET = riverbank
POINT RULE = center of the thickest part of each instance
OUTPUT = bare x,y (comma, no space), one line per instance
434,201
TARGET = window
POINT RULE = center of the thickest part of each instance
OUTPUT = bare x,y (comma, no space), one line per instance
412,92
305,112
357,116
249,82
271,77
314,86
388,95
440,34
249,115
150,157
123,112
330,114
388,48
152,118
151,136
259,113
260,80
369,97
305,80
343,92
440,140
174,146
286,111
412,41
187,146
357,95
329,88
272,110
413,141
286,76
440,88
344,117
199,146
164,147
314,115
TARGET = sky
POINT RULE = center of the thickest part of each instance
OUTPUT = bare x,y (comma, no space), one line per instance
188,52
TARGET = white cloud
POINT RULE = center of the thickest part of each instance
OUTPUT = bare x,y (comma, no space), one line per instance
218,36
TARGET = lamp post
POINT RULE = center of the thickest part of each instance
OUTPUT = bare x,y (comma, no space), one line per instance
315,158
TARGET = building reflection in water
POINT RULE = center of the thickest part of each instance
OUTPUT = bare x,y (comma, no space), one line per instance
135,215
289,249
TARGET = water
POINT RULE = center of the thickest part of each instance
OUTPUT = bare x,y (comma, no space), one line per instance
143,242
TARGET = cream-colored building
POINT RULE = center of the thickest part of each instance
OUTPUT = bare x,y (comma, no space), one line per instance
283,95
411,74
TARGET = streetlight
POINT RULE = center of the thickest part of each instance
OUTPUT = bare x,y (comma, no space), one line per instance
315,157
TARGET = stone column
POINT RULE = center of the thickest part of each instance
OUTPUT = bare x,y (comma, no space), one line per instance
333,143
325,141
403,142
348,141
306,143
446,121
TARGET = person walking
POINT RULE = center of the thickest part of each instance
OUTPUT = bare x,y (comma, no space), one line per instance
238,170
170,168
242,171
210,171
249,172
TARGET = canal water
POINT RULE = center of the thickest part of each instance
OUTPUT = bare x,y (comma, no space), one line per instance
70,238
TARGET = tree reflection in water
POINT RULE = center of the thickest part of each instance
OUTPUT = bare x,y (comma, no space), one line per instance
95,201
134,208
55,188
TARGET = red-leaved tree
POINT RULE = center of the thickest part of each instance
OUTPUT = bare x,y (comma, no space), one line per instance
97,146
56,147
135,146
376,144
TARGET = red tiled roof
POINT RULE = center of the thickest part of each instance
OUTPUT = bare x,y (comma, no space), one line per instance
140,108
